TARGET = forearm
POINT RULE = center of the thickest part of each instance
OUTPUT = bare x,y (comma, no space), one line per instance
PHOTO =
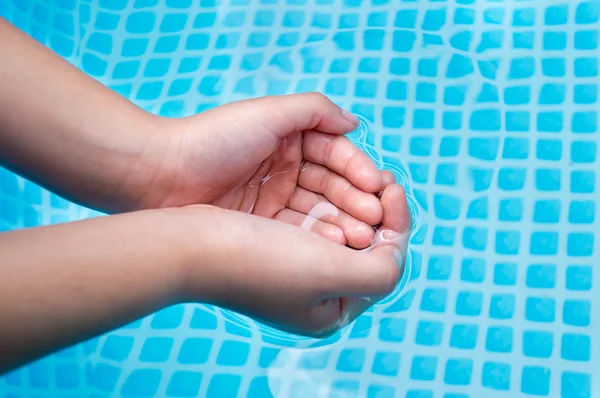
67,283
68,132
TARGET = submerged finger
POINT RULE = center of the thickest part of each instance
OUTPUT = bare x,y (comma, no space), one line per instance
339,191
358,234
340,155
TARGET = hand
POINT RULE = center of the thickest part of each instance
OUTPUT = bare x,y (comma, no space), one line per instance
276,157
51,298
289,278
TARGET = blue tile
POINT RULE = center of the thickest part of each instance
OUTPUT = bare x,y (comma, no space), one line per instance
429,333
386,363
184,384
140,22
575,385
406,19
575,347
538,344
541,276
439,267
464,336
583,151
141,383
580,244
314,360
550,122
468,303
117,348
554,41
434,300
576,312
458,372
168,318
362,327
584,122
172,23
473,270
511,179
478,209
521,68
351,360
67,376
539,309
267,356
502,306
233,353
39,374
499,339
194,350
261,387
484,148
579,278
381,391
549,150
544,243
156,349
223,386
392,329
496,376
423,368
535,380
103,377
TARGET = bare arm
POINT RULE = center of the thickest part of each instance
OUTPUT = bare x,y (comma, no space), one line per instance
67,283
64,284
68,132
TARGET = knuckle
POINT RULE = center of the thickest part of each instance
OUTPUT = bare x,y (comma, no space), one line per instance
318,98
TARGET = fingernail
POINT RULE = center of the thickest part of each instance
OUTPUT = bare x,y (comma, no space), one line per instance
350,117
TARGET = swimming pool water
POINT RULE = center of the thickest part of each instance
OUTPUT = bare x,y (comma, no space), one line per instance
487,110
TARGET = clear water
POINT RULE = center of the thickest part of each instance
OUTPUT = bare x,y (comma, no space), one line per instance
487,110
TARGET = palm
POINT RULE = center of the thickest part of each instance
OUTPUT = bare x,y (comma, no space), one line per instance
270,165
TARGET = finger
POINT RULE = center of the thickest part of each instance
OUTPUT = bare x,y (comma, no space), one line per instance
299,112
396,214
339,154
358,234
388,178
393,235
376,273
360,274
339,191
326,230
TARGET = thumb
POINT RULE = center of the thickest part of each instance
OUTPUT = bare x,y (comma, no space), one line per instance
376,272
297,112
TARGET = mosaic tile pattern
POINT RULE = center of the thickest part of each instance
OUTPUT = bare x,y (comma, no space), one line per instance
488,110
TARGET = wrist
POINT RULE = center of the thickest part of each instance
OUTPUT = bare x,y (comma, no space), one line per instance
137,162
155,167
199,247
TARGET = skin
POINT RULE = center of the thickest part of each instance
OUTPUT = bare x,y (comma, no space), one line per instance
205,209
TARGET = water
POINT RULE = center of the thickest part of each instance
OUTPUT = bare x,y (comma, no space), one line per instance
487,111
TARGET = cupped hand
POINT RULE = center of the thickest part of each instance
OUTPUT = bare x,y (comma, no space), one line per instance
275,157
292,279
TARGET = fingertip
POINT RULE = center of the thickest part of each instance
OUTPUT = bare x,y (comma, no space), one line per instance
388,178
334,234
329,117
360,235
396,214
370,210
350,117
369,179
